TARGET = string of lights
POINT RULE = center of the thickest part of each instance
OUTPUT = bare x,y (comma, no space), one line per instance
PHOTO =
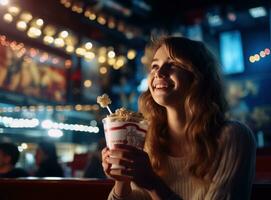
10,122
257,57
49,108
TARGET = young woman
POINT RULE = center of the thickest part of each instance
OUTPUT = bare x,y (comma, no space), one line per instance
191,151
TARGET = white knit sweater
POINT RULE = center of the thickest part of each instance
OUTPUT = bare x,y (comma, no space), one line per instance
234,173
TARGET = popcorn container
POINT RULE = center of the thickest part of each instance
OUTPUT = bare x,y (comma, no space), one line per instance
118,131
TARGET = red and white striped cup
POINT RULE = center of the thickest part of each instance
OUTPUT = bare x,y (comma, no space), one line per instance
124,132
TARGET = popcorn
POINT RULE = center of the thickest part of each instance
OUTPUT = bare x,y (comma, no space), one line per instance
103,100
122,114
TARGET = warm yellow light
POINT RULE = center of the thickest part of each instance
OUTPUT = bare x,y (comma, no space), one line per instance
67,4
101,20
8,18
71,40
89,55
64,34
101,59
87,13
48,39
87,83
26,16
59,42
39,22
103,70
80,51
21,25
70,49
13,10
49,30
111,54
78,107
88,45
34,32
115,67
251,59
120,62
111,61
102,50
131,54
92,16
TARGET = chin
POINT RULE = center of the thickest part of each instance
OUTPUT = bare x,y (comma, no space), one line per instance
162,100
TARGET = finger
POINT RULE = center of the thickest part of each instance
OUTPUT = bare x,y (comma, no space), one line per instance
105,154
121,162
104,150
106,167
121,173
122,154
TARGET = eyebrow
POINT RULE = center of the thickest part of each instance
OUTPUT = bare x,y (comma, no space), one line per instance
155,59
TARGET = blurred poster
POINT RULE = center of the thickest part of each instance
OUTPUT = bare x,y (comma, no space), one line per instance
231,51
32,73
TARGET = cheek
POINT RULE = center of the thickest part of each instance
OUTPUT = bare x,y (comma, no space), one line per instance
149,81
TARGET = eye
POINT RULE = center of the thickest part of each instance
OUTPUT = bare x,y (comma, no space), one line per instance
173,65
154,67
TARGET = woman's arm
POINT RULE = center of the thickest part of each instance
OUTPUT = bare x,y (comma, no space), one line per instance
137,168
234,176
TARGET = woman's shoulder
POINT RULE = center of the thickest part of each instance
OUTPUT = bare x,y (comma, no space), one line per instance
236,131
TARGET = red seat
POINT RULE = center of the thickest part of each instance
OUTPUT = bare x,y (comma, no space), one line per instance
263,168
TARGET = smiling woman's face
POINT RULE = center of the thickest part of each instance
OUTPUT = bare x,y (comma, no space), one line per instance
167,80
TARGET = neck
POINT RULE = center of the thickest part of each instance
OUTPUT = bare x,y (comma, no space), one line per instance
5,169
176,122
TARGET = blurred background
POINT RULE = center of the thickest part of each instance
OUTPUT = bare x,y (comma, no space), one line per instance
57,56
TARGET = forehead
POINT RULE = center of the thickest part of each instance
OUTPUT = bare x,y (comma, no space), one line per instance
161,53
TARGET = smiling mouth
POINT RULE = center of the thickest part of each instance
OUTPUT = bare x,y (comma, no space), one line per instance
162,86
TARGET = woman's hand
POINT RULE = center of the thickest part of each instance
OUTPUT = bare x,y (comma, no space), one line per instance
106,166
136,163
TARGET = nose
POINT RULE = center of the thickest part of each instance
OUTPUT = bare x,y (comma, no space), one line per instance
161,72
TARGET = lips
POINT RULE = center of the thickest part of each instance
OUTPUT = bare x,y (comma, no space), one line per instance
161,84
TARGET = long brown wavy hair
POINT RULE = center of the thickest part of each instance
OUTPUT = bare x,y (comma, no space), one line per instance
204,108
